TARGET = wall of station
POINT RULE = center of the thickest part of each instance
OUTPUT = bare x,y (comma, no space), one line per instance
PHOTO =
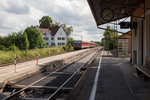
141,35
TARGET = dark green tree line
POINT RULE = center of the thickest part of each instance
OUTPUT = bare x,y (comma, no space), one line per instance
35,38
46,22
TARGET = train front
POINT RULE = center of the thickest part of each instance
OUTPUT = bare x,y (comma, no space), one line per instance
77,44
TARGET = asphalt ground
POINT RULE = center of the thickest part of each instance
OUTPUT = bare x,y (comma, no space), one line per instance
117,81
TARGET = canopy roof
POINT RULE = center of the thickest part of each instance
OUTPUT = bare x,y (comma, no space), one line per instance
121,8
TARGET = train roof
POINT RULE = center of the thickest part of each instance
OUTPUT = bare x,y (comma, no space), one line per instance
83,41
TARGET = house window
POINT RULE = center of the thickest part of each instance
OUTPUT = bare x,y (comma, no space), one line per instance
47,43
60,33
59,38
46,38
63,38
53,44
52,38
63,43
59,43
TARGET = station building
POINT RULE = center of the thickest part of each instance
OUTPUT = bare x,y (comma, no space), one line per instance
107,11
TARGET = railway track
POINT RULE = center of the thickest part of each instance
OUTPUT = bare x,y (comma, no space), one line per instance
51,85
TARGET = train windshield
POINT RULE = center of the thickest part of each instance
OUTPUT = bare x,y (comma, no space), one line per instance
77,42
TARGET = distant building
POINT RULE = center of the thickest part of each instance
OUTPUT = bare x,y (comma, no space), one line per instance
54,36
124,43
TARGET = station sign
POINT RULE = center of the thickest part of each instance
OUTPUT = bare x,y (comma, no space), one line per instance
124,25
127,25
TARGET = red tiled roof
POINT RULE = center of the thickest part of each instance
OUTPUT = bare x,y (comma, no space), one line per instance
44,30
54,30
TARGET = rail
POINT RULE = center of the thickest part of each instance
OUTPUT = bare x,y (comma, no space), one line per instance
55,93
23,89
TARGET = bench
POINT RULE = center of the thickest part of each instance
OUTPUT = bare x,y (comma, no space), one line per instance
145,70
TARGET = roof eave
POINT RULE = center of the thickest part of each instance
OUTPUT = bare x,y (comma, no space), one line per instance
93,11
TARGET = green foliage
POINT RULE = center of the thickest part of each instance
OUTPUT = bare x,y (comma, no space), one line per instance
65,47
97,43
54,65
13,48
26,42
2,47
109,43
7,56
2,40
35,38
71,41
16,38
45,22
41,42
69,45
67,29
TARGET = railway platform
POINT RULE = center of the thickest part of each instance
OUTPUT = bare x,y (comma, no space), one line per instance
117,80
28,68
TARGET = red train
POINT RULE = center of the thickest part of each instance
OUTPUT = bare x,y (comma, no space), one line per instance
78,44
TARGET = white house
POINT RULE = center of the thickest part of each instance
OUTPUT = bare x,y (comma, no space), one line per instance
54,36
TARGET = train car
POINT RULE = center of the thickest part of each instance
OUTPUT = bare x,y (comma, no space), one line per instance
78,44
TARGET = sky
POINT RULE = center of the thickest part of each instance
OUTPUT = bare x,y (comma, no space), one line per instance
16,15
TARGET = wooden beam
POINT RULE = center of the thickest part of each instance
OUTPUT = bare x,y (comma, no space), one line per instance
44,87
110,30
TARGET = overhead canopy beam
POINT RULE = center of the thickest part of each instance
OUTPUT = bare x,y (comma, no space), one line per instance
110,30
121,9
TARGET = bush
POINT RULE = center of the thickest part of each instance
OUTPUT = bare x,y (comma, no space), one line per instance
68,47
2,47
65,47
54,65
13,48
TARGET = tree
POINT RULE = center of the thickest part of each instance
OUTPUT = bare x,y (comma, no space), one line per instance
35,38
13,48
16,38
45,22
2,47
68,29
26,42
109,43
69,45
2,42
71,41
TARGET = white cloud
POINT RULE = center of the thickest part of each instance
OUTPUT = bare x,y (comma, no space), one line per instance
16,15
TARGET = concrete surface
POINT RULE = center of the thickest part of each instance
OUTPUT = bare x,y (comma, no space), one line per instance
117,81
27,68
21,67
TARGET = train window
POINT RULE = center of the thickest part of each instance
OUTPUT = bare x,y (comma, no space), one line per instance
77,42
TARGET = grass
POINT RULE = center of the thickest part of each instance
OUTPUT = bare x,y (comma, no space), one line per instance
8,56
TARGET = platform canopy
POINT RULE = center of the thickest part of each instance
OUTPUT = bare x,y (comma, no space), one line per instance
120,8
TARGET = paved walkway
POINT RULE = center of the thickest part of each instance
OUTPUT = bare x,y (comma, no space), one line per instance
117,81
7,72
